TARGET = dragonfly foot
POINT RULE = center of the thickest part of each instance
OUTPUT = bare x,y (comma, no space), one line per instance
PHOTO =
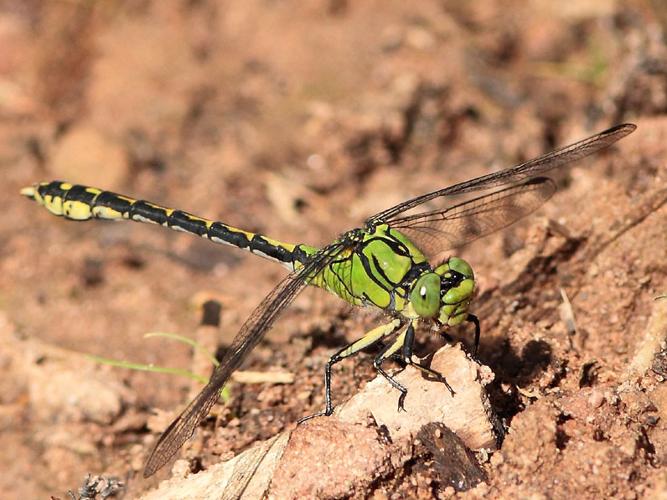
401,402
325,413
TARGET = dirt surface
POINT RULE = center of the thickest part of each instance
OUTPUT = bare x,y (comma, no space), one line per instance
300,119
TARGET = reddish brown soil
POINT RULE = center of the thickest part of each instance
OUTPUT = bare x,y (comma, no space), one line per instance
299,119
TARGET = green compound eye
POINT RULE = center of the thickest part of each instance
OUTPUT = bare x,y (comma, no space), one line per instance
460,266
425,295
455,264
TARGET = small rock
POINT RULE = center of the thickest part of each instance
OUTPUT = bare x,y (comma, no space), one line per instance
596,399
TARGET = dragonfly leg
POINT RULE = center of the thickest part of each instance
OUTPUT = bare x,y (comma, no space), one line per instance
475,321
407,359
368,339
389,351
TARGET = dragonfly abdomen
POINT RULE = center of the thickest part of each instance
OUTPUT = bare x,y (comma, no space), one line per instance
79,203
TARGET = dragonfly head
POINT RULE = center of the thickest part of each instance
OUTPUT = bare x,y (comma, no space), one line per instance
444,293
457,286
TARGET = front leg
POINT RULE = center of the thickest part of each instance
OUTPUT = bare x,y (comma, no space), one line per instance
368,339
471,318
407,358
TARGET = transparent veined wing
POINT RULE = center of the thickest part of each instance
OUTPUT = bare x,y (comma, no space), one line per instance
252,331
437,231
514,175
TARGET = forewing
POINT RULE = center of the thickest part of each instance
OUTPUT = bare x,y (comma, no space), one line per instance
532,168
259,322
436,231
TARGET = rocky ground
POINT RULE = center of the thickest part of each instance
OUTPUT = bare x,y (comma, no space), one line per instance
298,120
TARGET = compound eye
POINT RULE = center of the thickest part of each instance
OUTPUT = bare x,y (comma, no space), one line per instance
425,295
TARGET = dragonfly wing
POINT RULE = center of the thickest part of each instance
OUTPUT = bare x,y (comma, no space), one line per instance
440,230
252,331
532,168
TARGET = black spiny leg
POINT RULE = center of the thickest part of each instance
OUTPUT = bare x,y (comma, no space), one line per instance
407,358
388,351
474,320
370,338
328,408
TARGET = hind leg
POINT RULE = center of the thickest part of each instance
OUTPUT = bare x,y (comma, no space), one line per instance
370,338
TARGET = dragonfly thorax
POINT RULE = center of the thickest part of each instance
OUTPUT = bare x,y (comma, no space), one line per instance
444,293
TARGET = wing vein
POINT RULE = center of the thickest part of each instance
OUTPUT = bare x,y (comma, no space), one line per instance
532,168
252,331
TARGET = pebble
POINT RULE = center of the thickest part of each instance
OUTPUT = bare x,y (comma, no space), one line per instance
596,399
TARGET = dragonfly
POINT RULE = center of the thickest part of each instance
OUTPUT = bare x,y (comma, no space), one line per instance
393,263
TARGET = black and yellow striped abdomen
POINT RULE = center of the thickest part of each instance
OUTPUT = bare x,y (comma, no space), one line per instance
77,202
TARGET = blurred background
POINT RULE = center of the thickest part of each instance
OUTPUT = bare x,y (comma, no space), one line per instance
297,119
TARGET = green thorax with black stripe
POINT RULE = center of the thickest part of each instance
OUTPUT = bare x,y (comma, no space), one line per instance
377,268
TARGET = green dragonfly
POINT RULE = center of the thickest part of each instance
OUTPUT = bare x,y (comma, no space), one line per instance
393,263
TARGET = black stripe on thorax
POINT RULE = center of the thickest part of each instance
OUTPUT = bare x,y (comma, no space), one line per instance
339,278
369,271
381,272
413,273
396,245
